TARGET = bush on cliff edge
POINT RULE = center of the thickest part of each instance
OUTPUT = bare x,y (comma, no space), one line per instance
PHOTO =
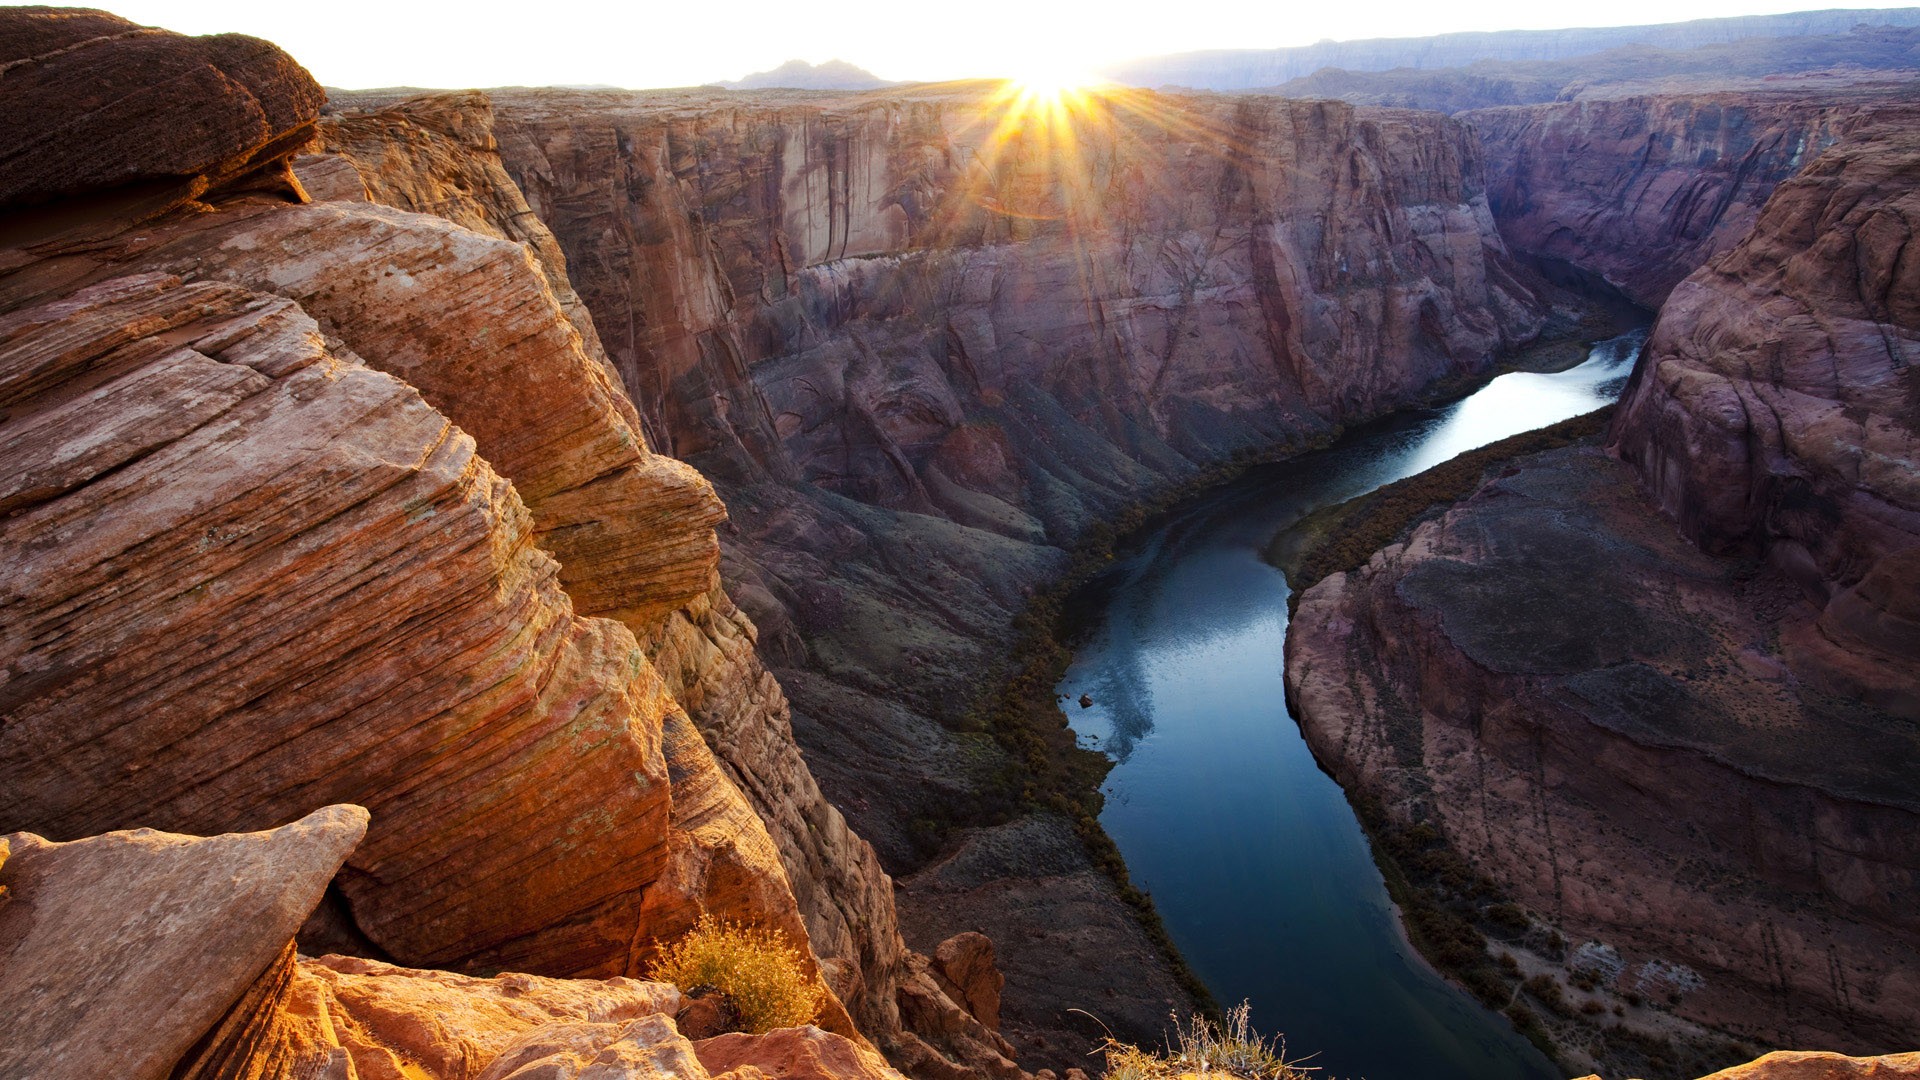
761,975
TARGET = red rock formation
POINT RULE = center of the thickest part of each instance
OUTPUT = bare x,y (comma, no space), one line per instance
436,153
1645,190
121,122
804,1053
1686,753
370,611
1775,413
1802,1065
98,932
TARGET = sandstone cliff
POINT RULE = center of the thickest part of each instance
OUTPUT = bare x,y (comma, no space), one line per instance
1644,190
1777,412
98,931
251,570
1679,740
438,154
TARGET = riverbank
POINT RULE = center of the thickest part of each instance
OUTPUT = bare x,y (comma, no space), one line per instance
1053,777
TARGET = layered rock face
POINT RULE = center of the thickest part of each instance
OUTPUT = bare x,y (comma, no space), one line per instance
113,123
1644,190
1683,735
251,570
438,154
1778,410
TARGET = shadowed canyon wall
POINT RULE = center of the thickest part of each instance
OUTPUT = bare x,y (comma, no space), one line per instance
1703,772
1645,189
907,331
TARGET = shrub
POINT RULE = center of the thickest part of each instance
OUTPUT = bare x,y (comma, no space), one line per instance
763,976
1231,1047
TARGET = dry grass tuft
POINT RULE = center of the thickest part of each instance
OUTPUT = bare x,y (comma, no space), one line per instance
1228,1049
762,975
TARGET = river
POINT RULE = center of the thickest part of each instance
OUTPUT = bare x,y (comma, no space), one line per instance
1252,854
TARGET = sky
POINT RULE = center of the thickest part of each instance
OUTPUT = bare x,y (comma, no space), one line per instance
357,44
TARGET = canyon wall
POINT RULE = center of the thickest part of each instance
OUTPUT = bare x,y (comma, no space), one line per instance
1678,738
1645,189
371,469
923,340
437,154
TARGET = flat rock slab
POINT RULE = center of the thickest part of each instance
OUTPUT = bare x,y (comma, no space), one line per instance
119,951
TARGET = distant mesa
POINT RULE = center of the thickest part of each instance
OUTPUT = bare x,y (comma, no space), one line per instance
800,75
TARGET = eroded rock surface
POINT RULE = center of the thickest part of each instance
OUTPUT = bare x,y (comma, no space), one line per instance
1778,410
437,154
251,570
97,933
1604,720
120,122
1646,189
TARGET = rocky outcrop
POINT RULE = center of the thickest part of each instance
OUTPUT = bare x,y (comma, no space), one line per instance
1777,413
119,122
1815,1065
435,1025
437,154
1675,737
96,934
1645,190
208,447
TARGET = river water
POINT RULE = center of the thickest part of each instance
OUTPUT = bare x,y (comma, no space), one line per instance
1252,855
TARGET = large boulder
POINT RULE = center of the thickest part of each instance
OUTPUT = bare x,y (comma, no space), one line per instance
111,117
146,954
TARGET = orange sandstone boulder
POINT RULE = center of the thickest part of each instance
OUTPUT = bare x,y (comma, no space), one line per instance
145,954
797,1053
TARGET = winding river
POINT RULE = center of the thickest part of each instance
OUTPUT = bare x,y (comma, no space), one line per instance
1253,856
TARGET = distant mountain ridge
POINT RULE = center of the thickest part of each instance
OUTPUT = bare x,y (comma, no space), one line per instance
800,75
1250,69
1879,55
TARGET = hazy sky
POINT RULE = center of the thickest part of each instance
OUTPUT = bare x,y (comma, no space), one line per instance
648,43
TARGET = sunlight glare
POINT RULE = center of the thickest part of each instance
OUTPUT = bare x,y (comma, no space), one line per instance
1052,84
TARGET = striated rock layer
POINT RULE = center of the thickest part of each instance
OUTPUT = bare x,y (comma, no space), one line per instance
251,570
1685,736
437,153
1777,413
1644,190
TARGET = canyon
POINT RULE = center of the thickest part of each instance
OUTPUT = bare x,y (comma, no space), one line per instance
611,508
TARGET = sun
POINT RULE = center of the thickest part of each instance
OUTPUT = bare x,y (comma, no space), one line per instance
1043,84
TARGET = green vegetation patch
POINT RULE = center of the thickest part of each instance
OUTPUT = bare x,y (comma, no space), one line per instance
1342,538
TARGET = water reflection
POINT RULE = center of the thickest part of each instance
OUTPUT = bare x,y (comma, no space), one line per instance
1251,853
